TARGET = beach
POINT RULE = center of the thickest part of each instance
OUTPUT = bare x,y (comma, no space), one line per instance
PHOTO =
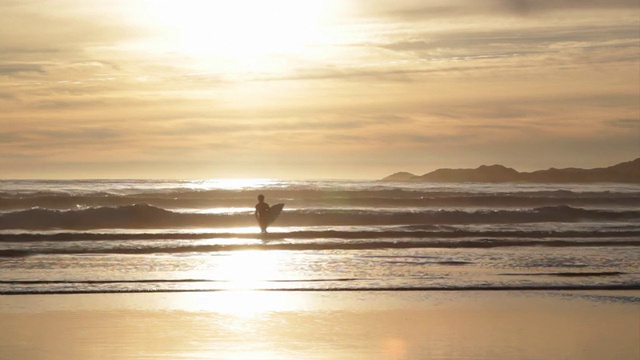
323,325
164,269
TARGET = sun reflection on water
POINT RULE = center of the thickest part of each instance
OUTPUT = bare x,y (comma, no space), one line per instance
244,278
229,184
250,269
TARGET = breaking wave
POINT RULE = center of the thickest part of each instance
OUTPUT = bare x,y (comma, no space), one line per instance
143,216
189,199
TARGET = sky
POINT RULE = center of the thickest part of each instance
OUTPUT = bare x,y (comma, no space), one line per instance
315,89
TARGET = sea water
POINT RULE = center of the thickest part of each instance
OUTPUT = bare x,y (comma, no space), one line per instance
98,236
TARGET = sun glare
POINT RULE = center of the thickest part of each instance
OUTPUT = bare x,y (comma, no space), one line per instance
244,272
249,270
229,184
242,29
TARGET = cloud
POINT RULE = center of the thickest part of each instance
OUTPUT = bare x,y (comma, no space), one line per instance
382,73
417,10
516,41
625,123
63,135
526,7
64,28
20,69
7,96
419,53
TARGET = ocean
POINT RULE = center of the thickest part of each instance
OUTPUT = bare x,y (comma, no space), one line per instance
111,236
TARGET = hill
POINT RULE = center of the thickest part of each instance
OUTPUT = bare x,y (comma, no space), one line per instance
626,172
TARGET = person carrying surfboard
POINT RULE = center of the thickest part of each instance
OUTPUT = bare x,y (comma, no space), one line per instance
262,213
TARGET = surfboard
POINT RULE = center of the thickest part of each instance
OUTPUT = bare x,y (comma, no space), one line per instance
273,213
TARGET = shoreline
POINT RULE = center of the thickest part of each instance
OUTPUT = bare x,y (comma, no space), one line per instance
506,289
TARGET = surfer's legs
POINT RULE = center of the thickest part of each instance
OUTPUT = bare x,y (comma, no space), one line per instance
263,227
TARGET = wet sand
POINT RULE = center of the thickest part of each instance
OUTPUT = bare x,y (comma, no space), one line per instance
323,325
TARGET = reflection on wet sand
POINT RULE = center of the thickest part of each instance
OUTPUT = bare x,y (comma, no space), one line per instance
321,325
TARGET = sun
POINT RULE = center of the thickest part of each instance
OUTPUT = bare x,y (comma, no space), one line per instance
242,29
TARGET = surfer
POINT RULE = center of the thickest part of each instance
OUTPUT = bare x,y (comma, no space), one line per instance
262,210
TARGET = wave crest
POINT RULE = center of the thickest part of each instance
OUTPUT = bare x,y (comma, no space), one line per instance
144,216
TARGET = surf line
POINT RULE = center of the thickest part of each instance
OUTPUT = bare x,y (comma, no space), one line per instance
618,287
469,244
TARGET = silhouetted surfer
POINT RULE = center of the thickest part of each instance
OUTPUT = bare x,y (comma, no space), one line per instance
262,211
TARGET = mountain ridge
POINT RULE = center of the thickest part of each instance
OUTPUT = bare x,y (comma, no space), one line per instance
625,172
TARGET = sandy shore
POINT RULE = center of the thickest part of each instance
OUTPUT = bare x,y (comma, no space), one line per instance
323,325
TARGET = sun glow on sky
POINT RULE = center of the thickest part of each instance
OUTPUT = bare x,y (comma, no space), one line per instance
243,35
242,27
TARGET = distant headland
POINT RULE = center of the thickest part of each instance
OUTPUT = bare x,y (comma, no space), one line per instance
626,172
